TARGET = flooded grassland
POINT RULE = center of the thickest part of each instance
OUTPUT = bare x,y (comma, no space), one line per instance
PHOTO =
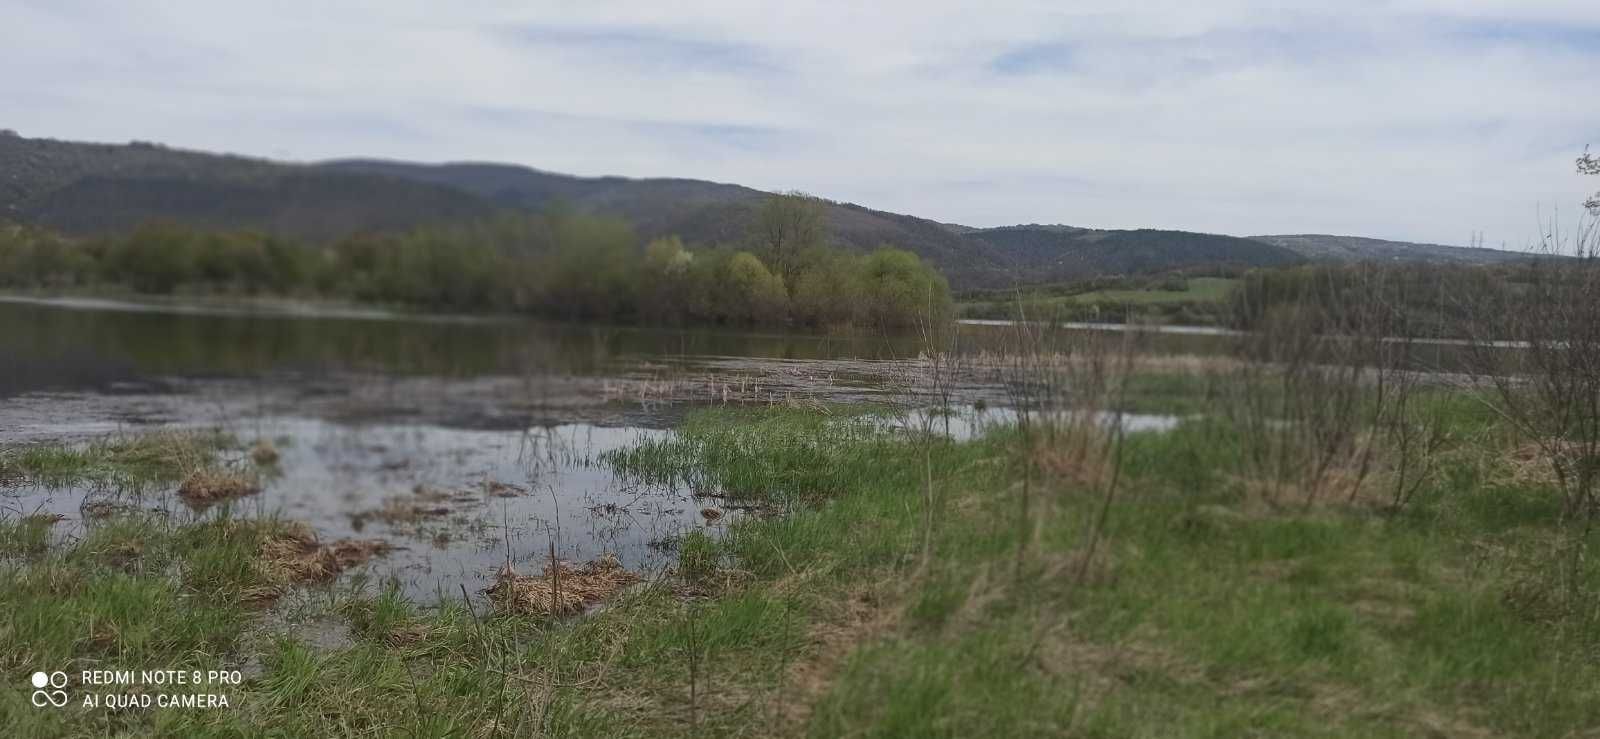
372,525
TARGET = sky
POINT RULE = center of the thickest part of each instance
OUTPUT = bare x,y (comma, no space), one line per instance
1426,120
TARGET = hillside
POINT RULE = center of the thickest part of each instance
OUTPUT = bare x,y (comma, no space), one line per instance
91,188
1325,248
88,189
699,211
1062,253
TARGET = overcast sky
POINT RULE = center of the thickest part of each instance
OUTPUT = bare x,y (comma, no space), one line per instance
1412,119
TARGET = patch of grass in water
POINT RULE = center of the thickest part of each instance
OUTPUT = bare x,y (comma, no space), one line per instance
758,455
123,461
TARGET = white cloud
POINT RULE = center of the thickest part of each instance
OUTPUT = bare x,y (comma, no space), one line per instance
1413,119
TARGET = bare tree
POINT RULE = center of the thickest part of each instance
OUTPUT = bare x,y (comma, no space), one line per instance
1539,357
788,224
1588,164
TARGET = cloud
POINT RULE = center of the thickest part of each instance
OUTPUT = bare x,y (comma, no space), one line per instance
644,48
1419,119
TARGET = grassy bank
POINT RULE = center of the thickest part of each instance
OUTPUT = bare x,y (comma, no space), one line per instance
1023,584
1191,301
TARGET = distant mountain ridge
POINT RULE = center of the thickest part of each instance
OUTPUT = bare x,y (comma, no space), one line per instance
1326,248
90,188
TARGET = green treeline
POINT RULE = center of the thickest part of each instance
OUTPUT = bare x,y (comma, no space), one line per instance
1416,300
558,264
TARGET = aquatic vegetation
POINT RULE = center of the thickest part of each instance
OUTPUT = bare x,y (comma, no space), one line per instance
124,460
805,454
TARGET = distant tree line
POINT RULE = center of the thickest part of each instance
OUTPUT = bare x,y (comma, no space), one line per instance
1416,299
558,264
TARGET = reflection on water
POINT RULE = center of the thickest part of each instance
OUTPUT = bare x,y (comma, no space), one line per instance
51,347
964,423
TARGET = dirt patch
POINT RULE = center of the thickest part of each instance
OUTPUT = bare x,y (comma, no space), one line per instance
1102,668
861,617
207,487
562,589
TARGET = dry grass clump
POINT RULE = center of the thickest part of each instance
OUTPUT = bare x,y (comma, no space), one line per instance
1074,452
208,486
407,635
499,489
401,511
263,453
561,590
1529,464
293,555
98,509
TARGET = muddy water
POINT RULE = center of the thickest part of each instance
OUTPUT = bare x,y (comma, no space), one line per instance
464,442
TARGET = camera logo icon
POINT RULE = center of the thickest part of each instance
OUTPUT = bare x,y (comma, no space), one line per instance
48,689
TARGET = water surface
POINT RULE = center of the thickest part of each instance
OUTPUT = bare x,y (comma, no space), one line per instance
490,430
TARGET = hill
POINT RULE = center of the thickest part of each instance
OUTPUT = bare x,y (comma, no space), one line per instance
1063,253
91,188
699,211
86,189
1325,248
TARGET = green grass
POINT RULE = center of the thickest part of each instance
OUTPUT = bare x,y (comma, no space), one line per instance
1198,289
1199,303
123,461
861,610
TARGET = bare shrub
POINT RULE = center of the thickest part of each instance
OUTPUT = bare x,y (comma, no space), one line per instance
1067,389
1536,363
1328,389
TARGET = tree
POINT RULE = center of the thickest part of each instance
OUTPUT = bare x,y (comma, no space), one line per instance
156,258
665,281
787,225
828,290
589,272
1588,164
751,293
901,291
